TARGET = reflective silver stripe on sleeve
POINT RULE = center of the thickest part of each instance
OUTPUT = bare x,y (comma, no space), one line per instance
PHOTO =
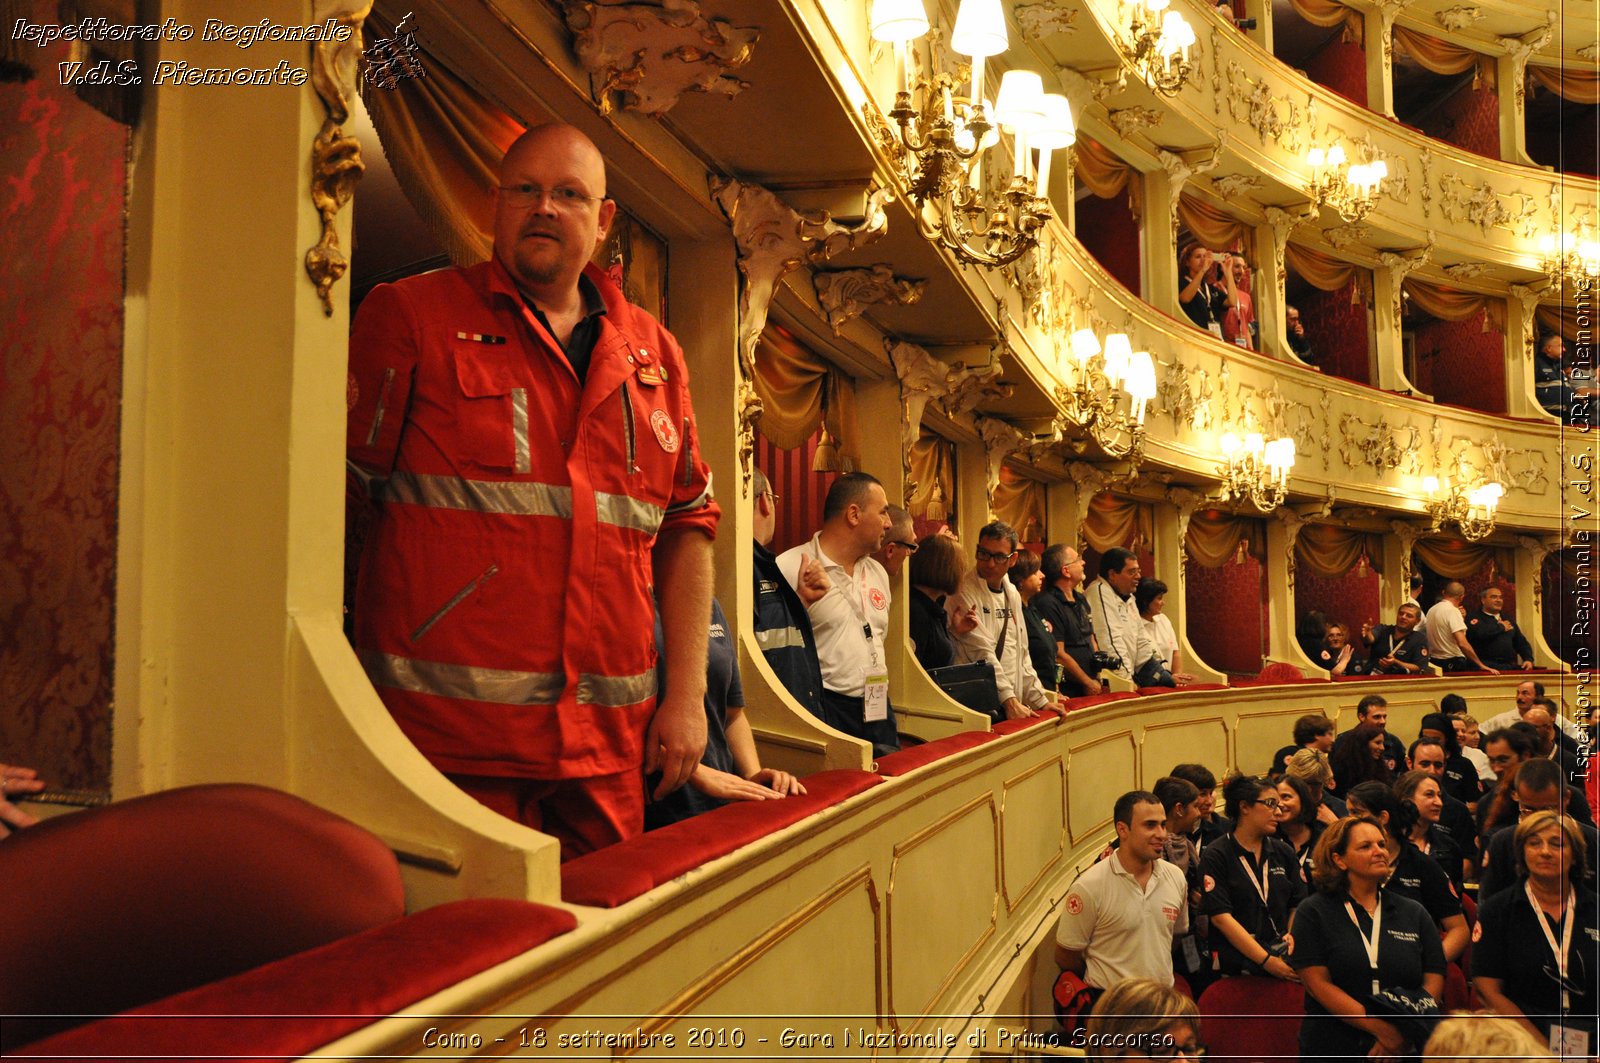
383,401
519,429
699,500
495,685
780,638
626,512
614,691
480,496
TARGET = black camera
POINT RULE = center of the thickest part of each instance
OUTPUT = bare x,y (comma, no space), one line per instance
1245,23
1107,662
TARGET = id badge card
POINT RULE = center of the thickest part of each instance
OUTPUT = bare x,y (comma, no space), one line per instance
1215,328
877,698
1191,954
1566,1041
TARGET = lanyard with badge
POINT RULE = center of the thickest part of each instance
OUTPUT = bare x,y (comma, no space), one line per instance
875,683
1563,1039
1370,944
1263,885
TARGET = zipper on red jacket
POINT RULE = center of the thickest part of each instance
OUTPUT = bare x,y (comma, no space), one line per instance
627,428
459,597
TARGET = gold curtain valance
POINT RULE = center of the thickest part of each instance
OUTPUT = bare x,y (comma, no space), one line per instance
933,461
1106,175
1333,13
1215,539
1561,319
1019,502
1574,86
1448,304
1454,559
1327,273
1113,522
445,142
1443,57
1213,228
1330,552
797,386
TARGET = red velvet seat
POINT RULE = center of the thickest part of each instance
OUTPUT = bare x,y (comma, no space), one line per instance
1099,699
1456,995
1147,691
115,907
1045,717
618,874
914,757
1251,1017
294,1006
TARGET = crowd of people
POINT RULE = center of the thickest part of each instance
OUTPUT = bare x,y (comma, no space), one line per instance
1347,868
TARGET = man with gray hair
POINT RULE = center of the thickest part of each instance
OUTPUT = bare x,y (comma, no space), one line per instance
1001,637
899,543
1117,625
1448,647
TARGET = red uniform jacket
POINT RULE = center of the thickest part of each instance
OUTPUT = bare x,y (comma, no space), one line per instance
504,603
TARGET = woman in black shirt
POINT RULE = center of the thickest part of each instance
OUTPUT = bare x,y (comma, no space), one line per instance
1251,884
1357,759
937,568
1202,300
1028,578
1352,937
1516,964
1298,824
1421,791
1411,873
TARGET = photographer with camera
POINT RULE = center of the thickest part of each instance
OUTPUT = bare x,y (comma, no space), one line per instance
1117,625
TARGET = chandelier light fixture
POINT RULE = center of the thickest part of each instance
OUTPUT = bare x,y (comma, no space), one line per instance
949,129
1101,377
1159,40
1471,509
1571,257
1256,470
1349,189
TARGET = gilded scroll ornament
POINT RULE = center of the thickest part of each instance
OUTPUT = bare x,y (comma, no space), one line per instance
1087,480
772,239
1185,395
1519,49
1129,120
1000,440
1591,52
1528,297
1251,101
970,386
1341,236
1283,223
1236,185
1292,524
845,293
1401,266
922,378
1042,20
651,54
1408,532
1460,201
1536,550
1458,18
1425,162
336,163
1465,271
1180,168
1375,443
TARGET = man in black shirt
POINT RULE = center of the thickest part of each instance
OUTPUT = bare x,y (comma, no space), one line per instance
1499,642
1537,786
1427,755
1066,609
1398,649
1374,709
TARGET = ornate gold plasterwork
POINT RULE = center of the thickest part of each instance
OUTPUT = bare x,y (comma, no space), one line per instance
1458,18
1408,532
336,163
882,133
773,238
1402,265
1129,120
1087,481
651,54
973,385
1482,206
1251,101
1283,223
1292,524
1185,395
845,293
1590,52
1341,236
1463,271
922,378
1376,443
1001,439
1236,185
1524,468
1519,49
1529,298
1041,20
1537,550
1285,417
1180,169
1425,163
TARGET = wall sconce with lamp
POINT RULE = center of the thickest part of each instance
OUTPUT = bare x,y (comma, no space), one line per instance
1094,401
1256,470
1573,257
1349,189
1469,509
1159,40
948,129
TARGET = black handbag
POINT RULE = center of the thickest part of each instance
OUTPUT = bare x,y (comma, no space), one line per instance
972,685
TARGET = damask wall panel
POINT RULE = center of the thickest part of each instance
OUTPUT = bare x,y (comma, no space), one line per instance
1571,142
1339,331
801,492
1106,227
1569,605
1460,364
1343,68
1351,599
61,282
1226,612
1470,119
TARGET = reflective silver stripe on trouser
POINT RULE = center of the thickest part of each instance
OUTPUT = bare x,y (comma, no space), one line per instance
519,430
699,500
627,512
495,685
614,691
780,638
480,496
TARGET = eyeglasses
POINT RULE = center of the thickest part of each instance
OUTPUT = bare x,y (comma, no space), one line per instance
773,495
909,548
1270,802
985,555
1187,1051
561,197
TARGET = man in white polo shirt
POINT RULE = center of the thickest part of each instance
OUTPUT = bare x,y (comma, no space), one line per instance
1121,915
1001,637
852,618
1448,647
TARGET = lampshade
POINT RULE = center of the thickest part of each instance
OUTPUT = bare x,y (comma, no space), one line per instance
894,21
1020,104
980,29
1316,156
1336,155
1229,444
1379,169
1056,130
1175,26
1255,444
1142,376
1085,345
1119,352
1430,484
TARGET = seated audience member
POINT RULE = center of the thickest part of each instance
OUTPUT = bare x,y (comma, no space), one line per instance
1332,931
1506,750
1001,635
1064,605
1142,1019
1454,819
1550,743
937,569
1121,915
1179,798
1528,694
16,781
1538,946
1336,653
730,769
782,625
1500,642
1537,787
1453,705
1298,824
1117,627
1373,709
1028,578
1421,791
1239,323
1206,289
1468,735
1480,1038
1309,632
1252,884
1311,767
1400,648
1361,759
1150,597
1448,648
1311,731
1211,827
851,618
1412,873
1460,778
1561,389
898,544
1299,342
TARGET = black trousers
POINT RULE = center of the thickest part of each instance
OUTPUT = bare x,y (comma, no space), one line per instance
847,714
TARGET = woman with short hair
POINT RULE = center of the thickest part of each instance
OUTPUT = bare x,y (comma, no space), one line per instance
1411,873
1141,1019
